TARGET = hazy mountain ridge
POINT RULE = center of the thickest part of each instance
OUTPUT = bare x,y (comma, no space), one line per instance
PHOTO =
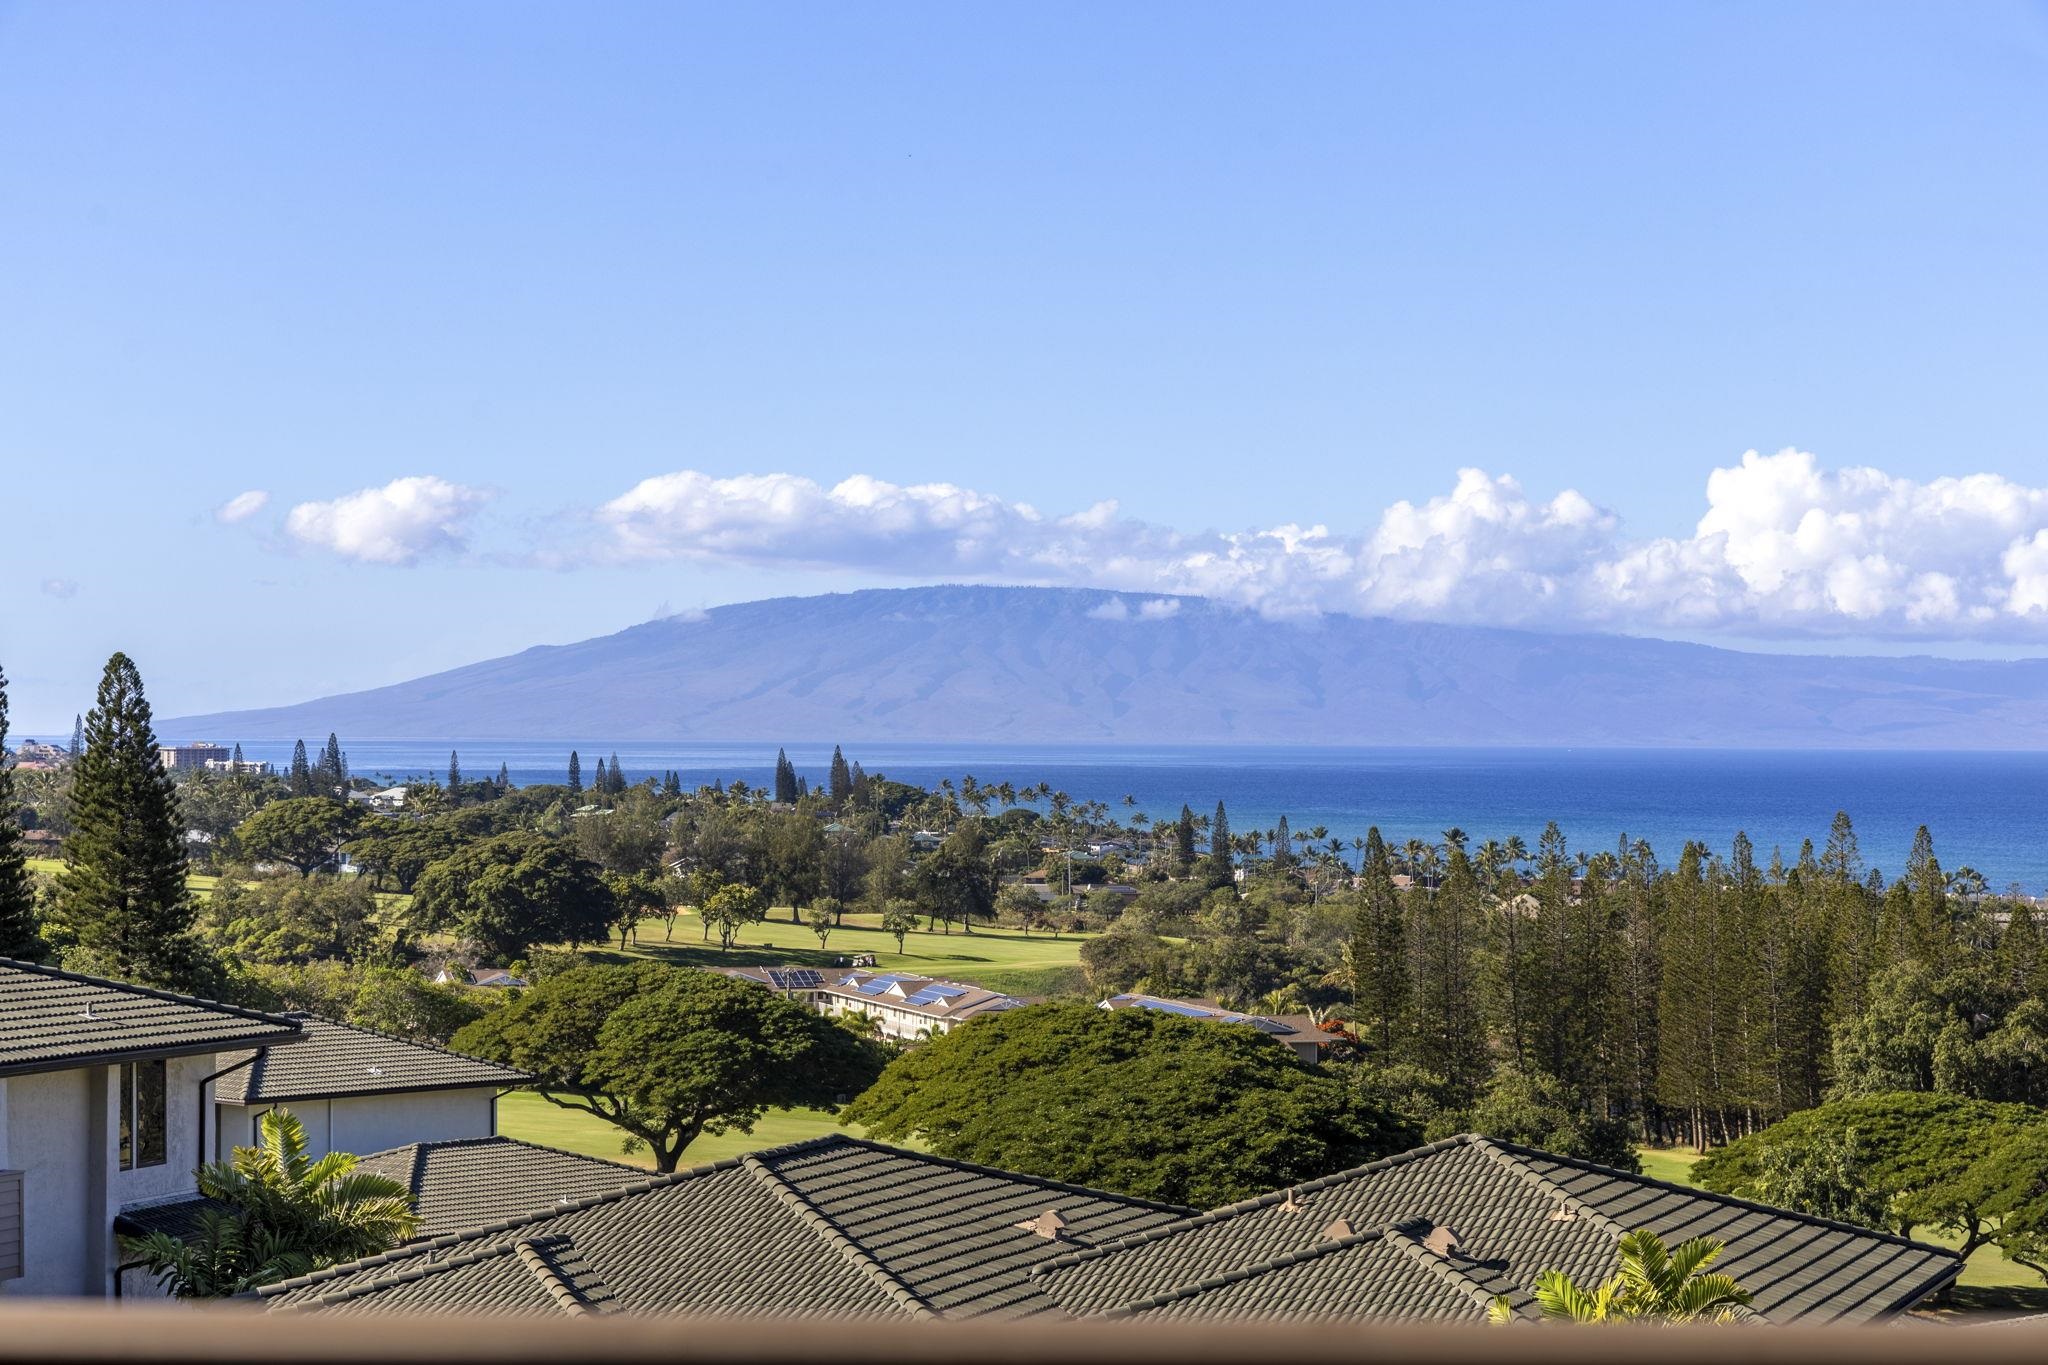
1055,665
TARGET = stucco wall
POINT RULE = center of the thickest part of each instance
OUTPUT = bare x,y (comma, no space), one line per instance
49,1139
371,1123
181,1145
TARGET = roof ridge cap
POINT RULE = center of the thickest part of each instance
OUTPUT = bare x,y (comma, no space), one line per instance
1702,1192
1400,1235
566,1295
409,1275
837,1238
1510,1160
132,988
1313,1251
1224,1212
1044,1182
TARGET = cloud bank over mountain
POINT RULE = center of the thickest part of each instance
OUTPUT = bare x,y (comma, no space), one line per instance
1785,547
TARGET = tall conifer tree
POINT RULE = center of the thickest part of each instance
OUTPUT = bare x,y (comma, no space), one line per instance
840,784
575,772
18,936
300,783
77,735
121,898
785,778
616,781
334,769
1379,952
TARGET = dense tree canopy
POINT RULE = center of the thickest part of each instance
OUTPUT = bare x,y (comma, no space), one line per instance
1131,1100
1922,1155
666,1053
302,832
513,891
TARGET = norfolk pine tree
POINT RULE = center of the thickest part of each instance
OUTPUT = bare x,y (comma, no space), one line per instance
121,899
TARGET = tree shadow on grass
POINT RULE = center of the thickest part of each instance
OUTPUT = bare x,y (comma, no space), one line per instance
1991,1301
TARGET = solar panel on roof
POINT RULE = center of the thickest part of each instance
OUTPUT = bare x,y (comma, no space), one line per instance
1184,1011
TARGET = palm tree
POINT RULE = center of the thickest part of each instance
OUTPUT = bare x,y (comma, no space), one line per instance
282,1214
1651,1285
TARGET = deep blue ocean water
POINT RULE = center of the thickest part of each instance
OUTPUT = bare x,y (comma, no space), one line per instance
1986,810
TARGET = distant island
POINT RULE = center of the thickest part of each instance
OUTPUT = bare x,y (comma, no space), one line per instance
1077,666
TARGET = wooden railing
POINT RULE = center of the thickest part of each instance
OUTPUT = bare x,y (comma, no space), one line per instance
36,1332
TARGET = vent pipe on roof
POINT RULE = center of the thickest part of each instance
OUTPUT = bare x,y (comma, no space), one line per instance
1292,1205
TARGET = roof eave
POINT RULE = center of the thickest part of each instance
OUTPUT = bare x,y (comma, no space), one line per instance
245,1101
121,1056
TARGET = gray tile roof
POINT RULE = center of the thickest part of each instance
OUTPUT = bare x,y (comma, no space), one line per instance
455,1185
1511,1213
341,1059
51,1020
833,1226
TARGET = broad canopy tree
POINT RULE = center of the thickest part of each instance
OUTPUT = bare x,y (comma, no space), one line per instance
1928,1159
303,832
512,891
666,1053
1131,1100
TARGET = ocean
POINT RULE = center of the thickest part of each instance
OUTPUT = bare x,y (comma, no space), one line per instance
1988,811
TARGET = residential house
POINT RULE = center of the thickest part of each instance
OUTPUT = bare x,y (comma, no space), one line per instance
904,1005
1297,1032
356,1090
106,1099
840,1227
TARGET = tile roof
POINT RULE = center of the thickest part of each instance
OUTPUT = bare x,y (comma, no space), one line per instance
833,1226
51,1020
1507,1212
455,1185
342,1059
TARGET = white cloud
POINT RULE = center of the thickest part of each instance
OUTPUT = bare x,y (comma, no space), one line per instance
242,506
60,587
1785,547
1117,609
396,524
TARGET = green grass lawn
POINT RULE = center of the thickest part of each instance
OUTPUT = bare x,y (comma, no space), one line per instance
528,1117
1001,959
1989,1284
1673,1164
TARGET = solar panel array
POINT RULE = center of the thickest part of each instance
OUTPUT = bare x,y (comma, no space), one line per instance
796,978
935,994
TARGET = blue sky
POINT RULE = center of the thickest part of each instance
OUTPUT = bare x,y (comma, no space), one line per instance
1234,269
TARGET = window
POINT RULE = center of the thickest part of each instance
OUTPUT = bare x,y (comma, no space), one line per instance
144,1124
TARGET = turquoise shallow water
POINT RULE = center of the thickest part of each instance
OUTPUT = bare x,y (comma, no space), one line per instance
1987,810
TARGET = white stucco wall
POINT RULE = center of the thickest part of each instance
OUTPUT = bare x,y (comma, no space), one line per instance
371,1123
49,1140
181,1145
